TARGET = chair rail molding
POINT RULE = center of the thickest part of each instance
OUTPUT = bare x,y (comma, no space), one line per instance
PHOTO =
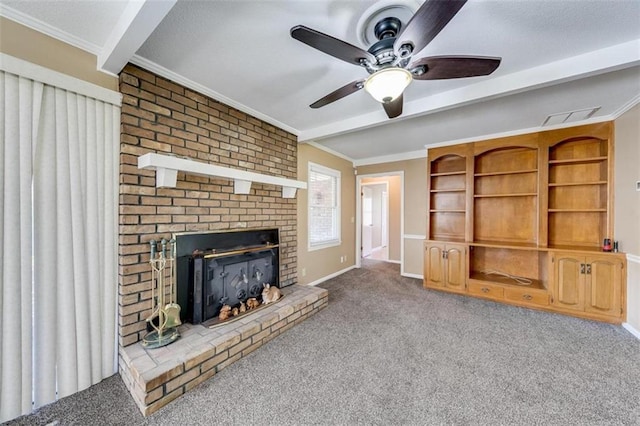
167,168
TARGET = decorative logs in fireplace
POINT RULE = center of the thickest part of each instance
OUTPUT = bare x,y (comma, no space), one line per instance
225,269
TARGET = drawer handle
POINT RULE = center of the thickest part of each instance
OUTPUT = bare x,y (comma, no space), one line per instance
485,290
527,297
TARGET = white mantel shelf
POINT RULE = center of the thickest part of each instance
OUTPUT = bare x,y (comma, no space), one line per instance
167,168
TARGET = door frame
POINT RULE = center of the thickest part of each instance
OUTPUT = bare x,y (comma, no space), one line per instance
383,241
359,184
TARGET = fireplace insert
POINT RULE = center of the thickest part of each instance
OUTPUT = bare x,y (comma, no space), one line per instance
224,268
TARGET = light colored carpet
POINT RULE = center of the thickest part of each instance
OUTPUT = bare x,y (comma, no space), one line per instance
386,351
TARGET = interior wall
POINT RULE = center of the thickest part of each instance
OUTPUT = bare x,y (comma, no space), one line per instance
627,204
318,264
32,46
395,210
627,173
415,208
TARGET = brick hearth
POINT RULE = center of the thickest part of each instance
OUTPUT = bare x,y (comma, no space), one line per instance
156,377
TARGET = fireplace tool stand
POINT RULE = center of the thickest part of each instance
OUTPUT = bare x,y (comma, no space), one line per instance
164,318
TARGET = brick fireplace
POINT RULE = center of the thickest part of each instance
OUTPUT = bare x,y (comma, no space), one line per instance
159,116
163,117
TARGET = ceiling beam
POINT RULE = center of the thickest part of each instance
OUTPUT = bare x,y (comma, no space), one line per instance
589,64
135,25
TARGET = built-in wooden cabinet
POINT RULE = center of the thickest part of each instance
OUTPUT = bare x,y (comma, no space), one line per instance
579,182
506,186
447,187
525,217
588,283
445,265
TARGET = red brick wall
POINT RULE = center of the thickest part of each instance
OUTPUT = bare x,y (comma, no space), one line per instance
164,117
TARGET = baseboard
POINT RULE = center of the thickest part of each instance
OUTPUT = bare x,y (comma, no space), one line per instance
408,275
328,277
633,258
631,329
397,262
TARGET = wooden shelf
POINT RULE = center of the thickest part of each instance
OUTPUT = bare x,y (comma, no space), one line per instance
499,279
512,172
524,194
579,160
440,238
463,172
577,210
572,247
448,190
507,244
599,182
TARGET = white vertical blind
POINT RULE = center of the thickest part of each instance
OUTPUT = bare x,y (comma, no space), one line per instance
59,153
19,98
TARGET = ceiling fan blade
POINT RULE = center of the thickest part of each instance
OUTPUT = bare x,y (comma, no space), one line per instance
340,93
331,46
427,23
394,109
444,67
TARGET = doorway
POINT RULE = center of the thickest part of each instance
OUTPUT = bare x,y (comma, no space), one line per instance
375,220
380,224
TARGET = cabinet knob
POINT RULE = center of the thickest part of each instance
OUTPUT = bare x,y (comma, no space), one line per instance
527,297
484,290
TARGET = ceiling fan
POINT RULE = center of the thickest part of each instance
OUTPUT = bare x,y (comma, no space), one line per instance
390,62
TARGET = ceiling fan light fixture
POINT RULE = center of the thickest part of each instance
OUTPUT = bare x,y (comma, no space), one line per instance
387,84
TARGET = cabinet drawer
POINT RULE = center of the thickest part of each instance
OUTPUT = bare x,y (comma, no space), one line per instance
524,295
486,290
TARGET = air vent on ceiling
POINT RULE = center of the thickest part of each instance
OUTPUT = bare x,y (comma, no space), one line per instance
569,117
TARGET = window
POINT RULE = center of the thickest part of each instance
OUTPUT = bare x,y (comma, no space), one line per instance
324,207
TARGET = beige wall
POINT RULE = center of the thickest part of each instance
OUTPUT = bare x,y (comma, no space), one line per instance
627,204
415,208
32,46
395,191
627,173
318,264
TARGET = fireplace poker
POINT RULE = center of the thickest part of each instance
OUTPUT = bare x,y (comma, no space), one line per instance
172,309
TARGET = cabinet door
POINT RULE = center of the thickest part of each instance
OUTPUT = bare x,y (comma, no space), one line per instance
603,285
434,272
456,268
568,281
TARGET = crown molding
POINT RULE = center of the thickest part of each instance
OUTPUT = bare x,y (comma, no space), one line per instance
177,78
626,107
518,132
329,150
36,24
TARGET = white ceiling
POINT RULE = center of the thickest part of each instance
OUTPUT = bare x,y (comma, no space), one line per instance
557,56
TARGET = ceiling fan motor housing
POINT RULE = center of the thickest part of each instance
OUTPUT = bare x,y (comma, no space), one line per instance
387,27
386,31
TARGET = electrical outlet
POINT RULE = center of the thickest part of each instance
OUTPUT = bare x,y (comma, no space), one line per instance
304,272
341,259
